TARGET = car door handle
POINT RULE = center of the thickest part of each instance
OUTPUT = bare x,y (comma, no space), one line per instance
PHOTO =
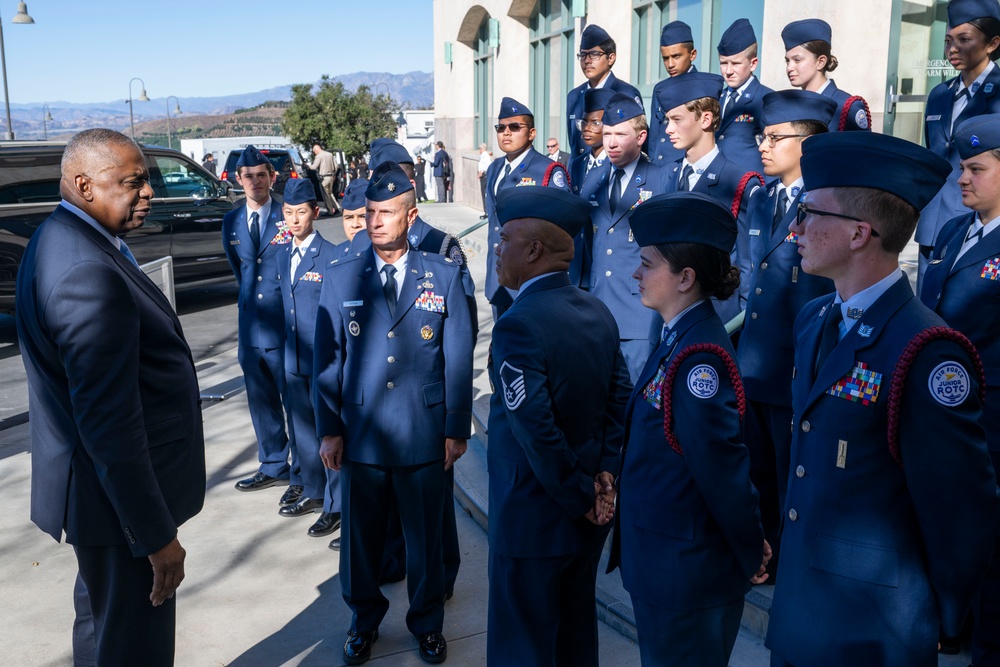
182,215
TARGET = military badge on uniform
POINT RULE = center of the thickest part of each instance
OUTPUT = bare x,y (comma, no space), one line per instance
354,328
283,236
427,285
312,277
512,380
526,181
653,392
949,383
455,255
426,332
865,330
991,269
974,140
703,381
391,187
861,119
791,238
558,178
988,88
430,302
861,385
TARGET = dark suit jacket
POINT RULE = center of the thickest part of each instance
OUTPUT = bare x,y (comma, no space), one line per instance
118,455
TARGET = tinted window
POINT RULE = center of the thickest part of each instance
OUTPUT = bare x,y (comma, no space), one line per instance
29,180
177,178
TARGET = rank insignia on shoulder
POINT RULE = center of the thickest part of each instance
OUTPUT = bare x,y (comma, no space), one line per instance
949,383
312,277
703,381
991,269
430,302
861,385
514,391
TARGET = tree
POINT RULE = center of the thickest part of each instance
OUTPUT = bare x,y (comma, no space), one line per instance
335,118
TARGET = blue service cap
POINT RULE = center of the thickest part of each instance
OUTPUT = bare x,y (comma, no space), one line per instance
565,210
354,195
593,35
382,150
620,108
595,99
387,181
509,107
675,32
806,30
879,161
737,38
963,11
683,88
251,157
684,217
977,135
788,106
298,191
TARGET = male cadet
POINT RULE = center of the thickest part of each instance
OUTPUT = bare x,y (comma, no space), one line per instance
890,517
742,98
254,237
556,425
627,180
777,288
301,264
597,56
393,393
677,49
520,166
353,205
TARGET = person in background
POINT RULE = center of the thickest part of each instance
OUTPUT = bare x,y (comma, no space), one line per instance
326,169
677,49
353,206
419,176
485,158
442,173
209,164
556,155
742,98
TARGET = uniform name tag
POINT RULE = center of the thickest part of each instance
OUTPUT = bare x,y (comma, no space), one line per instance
234,242
353,304
754,232
934,117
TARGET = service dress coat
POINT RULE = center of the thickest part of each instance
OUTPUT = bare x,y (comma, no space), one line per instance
575,108
741,124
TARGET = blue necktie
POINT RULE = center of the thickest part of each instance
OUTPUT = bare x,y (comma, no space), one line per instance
128,254
685,183
255,228
616,189
389,288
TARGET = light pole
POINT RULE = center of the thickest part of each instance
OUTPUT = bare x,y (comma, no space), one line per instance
46,118
176,111
20,17
142,98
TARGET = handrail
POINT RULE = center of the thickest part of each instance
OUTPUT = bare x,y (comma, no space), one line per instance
471,229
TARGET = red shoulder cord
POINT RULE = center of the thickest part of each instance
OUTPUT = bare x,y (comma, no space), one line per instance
667,387
747,177
548,174
845,113
903,367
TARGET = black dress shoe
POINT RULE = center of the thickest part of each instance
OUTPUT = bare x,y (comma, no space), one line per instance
335,544
433,647
325,524
483,216
303,507
259,481
358,647
291,495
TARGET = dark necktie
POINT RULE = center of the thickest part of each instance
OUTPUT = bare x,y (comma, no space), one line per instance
616,189
734,95
297,255
128,254
390,287
780,209
506,173
977,235
255,229
685,184
831,335
962,93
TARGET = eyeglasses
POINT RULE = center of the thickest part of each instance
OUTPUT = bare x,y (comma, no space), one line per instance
514,127
590,55
772,139
803,210
552,145
595,125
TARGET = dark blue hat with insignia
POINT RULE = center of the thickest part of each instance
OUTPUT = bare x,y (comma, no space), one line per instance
593,35
963,11
737,38
789,106
978,135
620,108
675,32
387,181
684,88
298,191
879,161
251,157
684,217
354,195
565,210
595,99
383,150
509,107
806,30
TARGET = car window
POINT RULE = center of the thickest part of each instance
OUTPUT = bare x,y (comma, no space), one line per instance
30,179
177,178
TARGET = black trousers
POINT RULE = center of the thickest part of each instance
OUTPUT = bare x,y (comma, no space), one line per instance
767,432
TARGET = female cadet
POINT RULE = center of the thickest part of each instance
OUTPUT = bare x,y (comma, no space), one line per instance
688,536
807,61
962,285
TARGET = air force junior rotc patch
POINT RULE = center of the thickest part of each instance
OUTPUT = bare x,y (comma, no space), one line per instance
703,381
512,380
949,383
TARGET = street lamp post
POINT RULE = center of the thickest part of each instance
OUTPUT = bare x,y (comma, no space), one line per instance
46,118
176,111
20,17
142,98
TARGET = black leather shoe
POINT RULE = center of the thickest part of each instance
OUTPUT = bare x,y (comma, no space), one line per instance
303,507
259,481
358,647
335,544
325,524
433,647
483,216
292,495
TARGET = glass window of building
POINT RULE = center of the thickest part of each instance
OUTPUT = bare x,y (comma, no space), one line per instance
482,72
552,65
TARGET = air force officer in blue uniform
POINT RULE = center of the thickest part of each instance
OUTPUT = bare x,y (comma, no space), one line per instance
891,512
393,389
555,429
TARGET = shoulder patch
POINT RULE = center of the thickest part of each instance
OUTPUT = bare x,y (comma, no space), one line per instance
512,380
455,255
703,381
861,119
949,383
559,178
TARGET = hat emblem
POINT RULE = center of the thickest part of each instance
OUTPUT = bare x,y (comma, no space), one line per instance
391,187
514,109
621,113
974,141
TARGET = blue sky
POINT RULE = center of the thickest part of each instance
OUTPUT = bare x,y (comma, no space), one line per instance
88,51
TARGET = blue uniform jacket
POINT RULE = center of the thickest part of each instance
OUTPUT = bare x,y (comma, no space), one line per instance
895,553
556,417
687,531
777,288
856,117
938,127
661,151
741,124
300,299
261,321
575,108
966,294
531,171
393,387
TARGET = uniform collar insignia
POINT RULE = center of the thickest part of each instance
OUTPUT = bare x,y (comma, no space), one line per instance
855,313
865,330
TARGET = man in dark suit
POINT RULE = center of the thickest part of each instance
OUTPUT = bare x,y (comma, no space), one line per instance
742,98
253,236
442,172
556,425
556,155
118,455
393,392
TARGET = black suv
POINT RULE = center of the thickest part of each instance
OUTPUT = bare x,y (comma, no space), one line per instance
185,222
